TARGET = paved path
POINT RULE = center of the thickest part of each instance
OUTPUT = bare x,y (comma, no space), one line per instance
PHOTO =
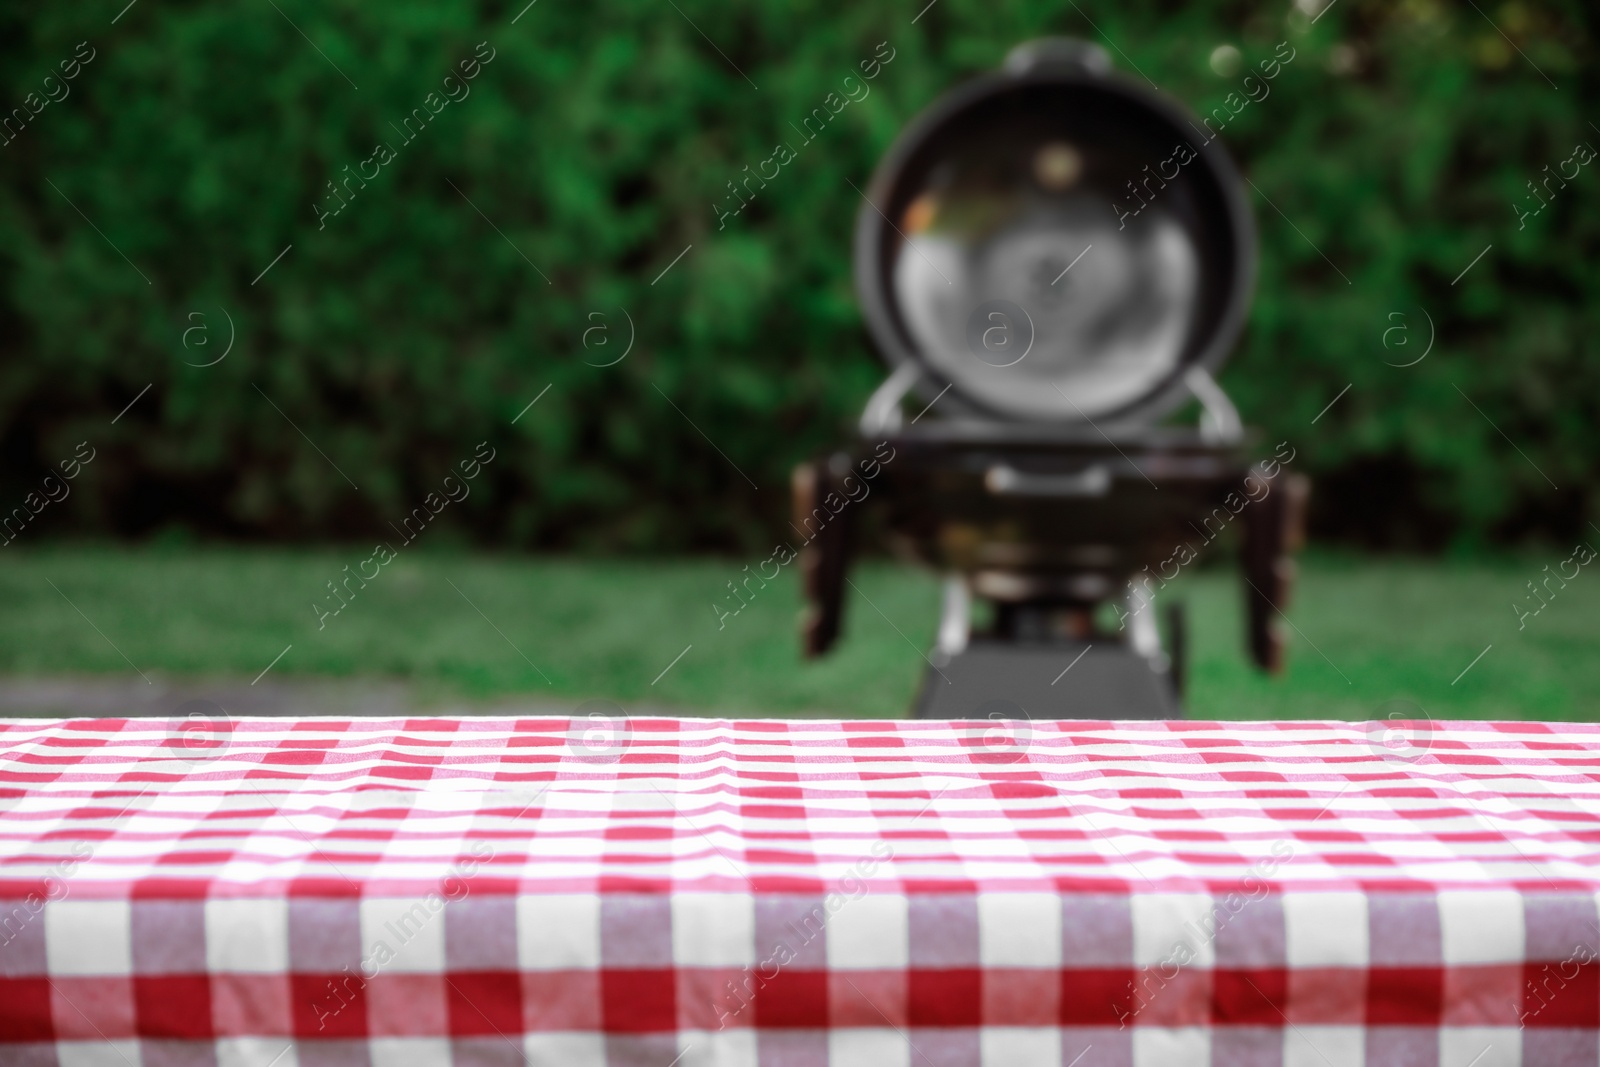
116,696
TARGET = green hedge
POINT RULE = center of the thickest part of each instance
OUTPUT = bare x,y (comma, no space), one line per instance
200,140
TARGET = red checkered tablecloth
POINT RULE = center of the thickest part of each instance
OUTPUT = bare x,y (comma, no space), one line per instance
591,893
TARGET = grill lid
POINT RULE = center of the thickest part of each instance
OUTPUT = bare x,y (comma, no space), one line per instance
1057,244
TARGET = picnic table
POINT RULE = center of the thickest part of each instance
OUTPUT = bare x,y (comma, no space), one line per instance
652,892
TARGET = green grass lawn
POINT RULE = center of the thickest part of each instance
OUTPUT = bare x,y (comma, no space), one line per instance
565,630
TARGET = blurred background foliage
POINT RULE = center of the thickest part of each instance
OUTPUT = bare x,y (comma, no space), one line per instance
1390,152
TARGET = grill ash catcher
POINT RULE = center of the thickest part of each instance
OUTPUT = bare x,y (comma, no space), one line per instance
1051,259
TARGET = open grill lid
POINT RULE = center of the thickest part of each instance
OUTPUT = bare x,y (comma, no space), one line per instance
1056,243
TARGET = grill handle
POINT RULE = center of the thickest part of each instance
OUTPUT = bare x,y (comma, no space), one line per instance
1005,480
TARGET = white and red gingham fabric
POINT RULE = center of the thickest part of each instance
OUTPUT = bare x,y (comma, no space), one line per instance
493,891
